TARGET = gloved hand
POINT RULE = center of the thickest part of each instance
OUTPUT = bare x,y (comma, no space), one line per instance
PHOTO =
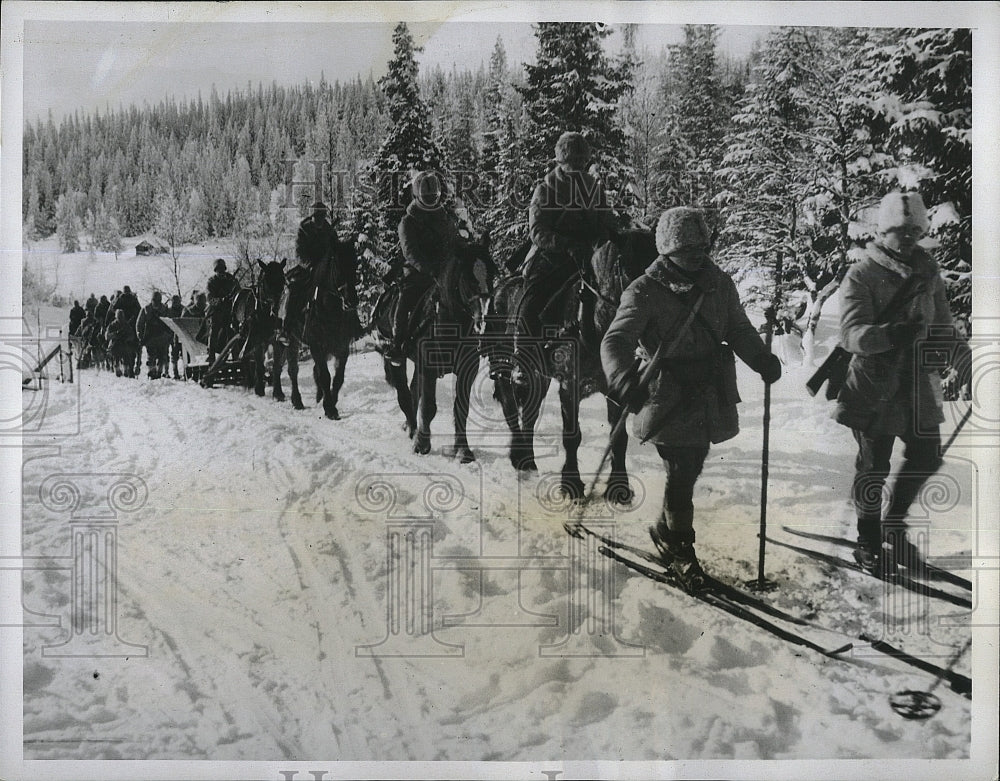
903,334
963,373
768,367
628,392
394,273
580,249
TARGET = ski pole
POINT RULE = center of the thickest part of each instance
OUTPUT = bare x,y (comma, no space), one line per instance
957,431
911,704
646,377
761,582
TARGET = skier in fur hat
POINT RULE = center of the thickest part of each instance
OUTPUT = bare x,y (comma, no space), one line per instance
691,403
888,391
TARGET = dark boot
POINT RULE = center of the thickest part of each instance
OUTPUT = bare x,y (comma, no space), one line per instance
676,551
868,555
874,554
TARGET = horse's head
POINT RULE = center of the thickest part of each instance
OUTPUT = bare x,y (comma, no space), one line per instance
472,281
271,283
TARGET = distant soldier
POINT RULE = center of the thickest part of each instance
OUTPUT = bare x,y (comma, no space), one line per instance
197,307
155,336
127,302
76,315
102,310
122,344
91,303
175,310
222,286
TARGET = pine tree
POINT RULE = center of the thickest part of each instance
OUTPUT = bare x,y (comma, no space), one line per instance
408,146
695,121
69,225
642,113
497,96
801,167
506,185
197,215
920,95
574,86
105,231
767,164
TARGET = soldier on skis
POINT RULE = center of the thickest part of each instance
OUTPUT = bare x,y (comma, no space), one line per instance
888,391
691,403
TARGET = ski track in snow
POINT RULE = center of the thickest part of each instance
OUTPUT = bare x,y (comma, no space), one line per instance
254,572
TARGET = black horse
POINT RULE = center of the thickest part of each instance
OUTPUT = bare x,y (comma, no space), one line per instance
445,338
323,316
576,316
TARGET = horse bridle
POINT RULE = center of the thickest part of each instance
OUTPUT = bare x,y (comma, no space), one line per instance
341,290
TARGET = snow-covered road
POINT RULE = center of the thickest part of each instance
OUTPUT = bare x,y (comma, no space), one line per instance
278,571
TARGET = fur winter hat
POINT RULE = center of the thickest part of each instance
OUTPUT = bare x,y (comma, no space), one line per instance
902,210
219,265
682,228
426,188
572,147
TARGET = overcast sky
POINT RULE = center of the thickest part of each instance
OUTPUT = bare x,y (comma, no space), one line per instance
90,66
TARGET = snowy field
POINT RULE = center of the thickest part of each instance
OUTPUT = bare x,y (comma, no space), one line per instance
261,616
76,275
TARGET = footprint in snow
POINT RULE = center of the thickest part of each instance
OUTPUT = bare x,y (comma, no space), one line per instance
593,707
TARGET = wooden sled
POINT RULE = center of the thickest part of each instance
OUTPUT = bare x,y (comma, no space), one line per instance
193,350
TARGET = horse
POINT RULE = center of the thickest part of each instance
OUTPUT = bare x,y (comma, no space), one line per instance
327,326
444,339
579,312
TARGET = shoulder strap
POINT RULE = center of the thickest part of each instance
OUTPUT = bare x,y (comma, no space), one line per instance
904,293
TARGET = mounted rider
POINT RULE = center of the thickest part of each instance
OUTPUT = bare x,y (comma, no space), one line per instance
428,238
222,287
568,218
316,242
